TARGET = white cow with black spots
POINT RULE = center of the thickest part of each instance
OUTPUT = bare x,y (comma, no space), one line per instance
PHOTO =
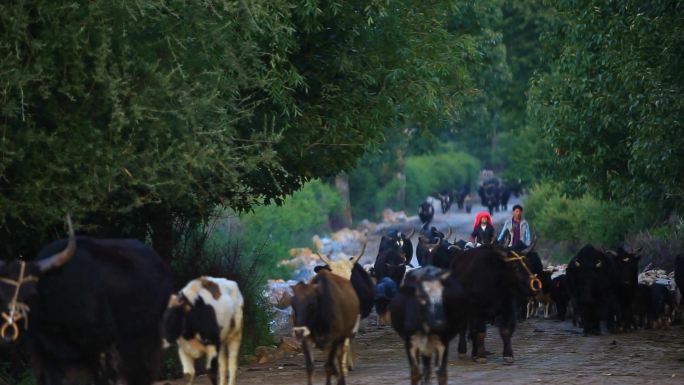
205,319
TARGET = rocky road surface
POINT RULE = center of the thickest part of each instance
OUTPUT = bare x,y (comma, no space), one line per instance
546,352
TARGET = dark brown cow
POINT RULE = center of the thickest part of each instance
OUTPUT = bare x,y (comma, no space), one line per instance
326,312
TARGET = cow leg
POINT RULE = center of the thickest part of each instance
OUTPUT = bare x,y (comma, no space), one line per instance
506,328
214,368
188,364
330,369
426,357
308,359
223,363
443,355
412,355
462,344
342,361
140,357
233,352
506,335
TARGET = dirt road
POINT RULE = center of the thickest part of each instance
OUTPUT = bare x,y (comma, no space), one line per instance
546,351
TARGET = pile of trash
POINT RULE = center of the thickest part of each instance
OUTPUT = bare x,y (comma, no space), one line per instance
390,217
658,276
556,270
302,261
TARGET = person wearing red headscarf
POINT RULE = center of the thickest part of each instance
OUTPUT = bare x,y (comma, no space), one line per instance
483,230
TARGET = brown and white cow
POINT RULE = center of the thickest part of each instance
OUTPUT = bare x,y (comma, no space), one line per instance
326,313
205,319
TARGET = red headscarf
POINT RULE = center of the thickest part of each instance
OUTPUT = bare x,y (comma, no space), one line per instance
479,216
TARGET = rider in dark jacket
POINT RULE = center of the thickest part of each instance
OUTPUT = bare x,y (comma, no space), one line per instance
483,231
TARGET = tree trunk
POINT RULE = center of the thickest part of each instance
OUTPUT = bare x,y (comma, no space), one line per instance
345,217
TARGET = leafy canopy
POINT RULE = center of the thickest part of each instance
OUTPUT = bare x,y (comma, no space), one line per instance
610,106
143,111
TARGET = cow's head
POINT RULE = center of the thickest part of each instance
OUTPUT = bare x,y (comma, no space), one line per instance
343,268
527,280
18,286
174,318
304,308
187,314
427,285
395,239
589,270
626,265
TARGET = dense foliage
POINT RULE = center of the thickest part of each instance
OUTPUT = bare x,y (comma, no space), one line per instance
610,106
135,115
579,220
271,231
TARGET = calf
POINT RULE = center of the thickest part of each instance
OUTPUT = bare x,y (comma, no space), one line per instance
626,267
591,281
560,295
427,314
326,313
205,319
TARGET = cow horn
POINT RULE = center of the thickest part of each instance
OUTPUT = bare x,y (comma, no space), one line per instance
531,246
448,234
63,256
611,252
363,249
323,258
413,231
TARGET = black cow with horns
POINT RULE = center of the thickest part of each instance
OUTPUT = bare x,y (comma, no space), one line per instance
494,279
90,310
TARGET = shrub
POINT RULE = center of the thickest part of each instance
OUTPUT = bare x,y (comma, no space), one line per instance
430,174
374,186
271,231
556,217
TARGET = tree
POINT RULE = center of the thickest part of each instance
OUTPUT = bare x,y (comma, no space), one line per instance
610,105
142,116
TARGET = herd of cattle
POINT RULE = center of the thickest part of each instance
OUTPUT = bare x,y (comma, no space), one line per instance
493,192
458,291
99,310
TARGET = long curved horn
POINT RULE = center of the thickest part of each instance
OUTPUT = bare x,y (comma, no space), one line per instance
63,256
363,249
323,258
446,238
413,231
